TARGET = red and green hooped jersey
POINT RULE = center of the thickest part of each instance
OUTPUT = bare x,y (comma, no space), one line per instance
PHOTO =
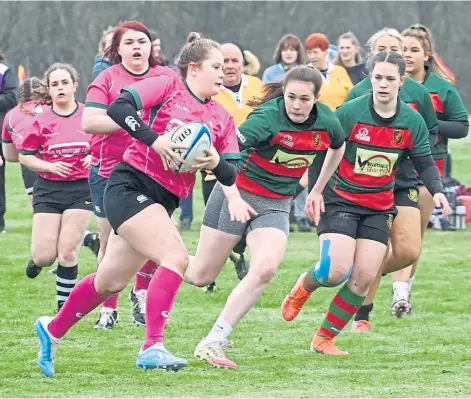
276,152
416,96
448,106
375,149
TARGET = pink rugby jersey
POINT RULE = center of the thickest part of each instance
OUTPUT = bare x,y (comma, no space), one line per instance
55,138
176,105
16,122
108,149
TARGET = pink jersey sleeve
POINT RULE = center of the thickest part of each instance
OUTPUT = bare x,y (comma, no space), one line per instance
6,135
227,145
98,92
32,141
147,93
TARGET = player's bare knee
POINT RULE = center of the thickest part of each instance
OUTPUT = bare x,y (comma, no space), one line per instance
68,257
407,254
110,287
43,258
177,259
265,273
339,273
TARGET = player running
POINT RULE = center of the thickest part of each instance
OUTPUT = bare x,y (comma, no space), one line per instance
141,194
405,240
58,150
280,139
132,61
354,230
422,66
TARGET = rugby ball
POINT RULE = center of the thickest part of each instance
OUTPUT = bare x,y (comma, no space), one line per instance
197,137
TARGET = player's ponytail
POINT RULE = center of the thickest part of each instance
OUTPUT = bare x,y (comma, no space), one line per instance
301,73
32,89
196,50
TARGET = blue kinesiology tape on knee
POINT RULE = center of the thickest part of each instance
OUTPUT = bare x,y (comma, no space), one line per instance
320,272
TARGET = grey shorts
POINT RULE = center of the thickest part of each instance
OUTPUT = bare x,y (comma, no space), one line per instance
272,213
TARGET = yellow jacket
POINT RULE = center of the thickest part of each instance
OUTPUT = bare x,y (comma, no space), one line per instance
336,87
235,103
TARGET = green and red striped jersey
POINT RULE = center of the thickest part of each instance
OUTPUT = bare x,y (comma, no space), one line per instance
416,96
448,106
275,152
375,148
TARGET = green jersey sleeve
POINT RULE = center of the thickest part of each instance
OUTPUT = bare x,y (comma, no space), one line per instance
454,107
337,134
421,144
258,128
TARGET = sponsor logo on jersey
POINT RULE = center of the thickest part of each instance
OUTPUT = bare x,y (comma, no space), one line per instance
397,138
287,140
316,139
413,195
240,136
374,163
292,161
68,150
132,123
363,135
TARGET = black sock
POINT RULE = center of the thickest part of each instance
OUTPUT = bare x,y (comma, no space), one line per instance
364,312
65,281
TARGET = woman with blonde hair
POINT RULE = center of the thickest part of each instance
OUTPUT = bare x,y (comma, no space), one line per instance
349,57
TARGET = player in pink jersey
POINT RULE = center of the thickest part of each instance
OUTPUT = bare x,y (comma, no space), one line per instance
17,122
33,98
141,194
133,59
58,150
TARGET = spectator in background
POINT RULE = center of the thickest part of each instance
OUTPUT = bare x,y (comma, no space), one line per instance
157,48
101,62
349,57
288,54
8,100
337,84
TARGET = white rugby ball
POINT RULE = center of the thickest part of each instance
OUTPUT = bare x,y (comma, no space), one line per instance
197,137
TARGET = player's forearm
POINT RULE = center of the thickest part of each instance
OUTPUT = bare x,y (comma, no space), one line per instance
99,124
330,165
429,173
34,163
10,152
123,111
453,129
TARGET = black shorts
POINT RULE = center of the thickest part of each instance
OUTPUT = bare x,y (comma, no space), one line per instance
52,196
407,197
355,221
97,190
129,191
29,178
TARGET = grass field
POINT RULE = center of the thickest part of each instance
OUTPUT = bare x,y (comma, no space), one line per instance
425,355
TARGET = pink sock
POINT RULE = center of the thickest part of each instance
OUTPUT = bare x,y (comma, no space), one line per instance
82,300
144,276
111,302
160,298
